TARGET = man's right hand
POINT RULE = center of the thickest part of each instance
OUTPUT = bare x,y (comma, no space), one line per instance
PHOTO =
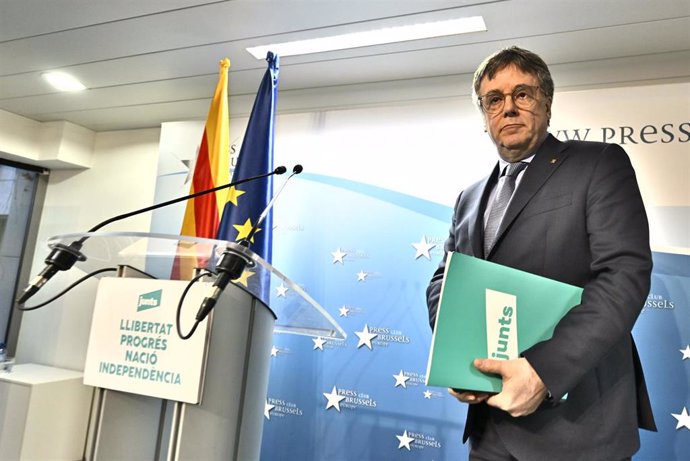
469,396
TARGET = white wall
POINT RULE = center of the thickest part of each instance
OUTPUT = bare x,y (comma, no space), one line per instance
55,145
114,173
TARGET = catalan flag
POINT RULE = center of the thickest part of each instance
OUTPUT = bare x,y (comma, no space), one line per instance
212,169
246,203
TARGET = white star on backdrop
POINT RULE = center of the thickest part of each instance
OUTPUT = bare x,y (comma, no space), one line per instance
423,248
333,399
401,379
427,394
365,337
267,410
338,256
344,311
282,290
361,276
683,419
405,440
685,352
318,342
274,351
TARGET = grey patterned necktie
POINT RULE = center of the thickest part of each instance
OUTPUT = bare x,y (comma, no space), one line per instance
506,187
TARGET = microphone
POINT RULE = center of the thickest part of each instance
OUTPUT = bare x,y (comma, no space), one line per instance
232,263
63,257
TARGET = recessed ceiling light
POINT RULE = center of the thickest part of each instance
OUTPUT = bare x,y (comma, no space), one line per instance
373,37
63,81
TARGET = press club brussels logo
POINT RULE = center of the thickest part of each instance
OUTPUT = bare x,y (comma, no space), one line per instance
418,440
381,336
281,408
658,302
348,398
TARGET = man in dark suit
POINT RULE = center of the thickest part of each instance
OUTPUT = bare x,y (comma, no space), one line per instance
576,215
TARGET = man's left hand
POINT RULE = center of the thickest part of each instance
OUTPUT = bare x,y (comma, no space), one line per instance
523,390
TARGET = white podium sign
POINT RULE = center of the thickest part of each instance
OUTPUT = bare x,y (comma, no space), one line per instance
134,346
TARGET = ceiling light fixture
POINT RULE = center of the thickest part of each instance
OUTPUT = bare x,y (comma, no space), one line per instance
373,37
63,81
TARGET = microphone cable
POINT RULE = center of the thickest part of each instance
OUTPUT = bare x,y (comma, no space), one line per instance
178,314
22,307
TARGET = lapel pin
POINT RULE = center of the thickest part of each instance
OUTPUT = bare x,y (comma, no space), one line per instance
553,160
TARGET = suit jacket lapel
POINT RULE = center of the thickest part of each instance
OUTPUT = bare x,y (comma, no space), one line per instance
548,158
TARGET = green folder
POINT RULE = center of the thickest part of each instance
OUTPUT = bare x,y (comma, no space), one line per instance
489,310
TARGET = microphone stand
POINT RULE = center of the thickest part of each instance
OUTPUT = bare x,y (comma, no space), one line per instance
232,263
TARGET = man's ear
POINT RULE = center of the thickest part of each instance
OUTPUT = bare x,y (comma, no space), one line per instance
548,112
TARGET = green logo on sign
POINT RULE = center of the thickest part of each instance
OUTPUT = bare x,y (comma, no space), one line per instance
149,300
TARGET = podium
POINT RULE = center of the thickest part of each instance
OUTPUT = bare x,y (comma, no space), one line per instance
226,424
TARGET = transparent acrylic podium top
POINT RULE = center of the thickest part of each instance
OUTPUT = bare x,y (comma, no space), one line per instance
154,254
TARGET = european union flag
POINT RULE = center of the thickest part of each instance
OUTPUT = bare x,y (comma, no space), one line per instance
247,201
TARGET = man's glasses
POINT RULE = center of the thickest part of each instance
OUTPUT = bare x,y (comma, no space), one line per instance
523,96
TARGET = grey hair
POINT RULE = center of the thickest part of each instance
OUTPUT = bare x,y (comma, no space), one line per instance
527,61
